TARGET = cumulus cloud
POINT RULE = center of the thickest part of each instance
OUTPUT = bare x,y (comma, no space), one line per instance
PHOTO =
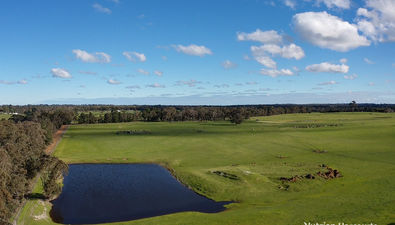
190,83
296,69
141,71
111,81
267,37
97,57
266,61
23,81
341,4
276,73
378,23
229,65
156,85
328,31
100,8
287,51
158,73
343,61
371,84
62,73
326,67
290,3
368,61
87,72
351,77
135,56
133,87
193,50
329,83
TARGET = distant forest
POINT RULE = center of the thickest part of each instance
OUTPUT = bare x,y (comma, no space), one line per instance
88,114
25,135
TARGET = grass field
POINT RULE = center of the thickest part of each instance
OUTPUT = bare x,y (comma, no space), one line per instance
5,116
359,145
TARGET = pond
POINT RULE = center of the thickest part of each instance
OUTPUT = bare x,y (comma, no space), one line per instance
104,193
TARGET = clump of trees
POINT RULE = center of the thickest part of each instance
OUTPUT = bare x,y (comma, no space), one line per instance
23,139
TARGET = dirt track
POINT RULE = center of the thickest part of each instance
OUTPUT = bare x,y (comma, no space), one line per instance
56,138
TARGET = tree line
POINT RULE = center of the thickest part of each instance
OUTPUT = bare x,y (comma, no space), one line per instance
23,139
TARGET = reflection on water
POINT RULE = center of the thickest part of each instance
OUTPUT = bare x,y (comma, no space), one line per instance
103,193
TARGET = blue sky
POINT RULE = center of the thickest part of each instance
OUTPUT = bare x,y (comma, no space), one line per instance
197,52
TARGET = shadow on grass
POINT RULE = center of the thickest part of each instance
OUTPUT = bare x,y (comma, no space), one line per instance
35,196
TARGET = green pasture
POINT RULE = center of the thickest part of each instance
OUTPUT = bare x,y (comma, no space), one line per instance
5,116
260,151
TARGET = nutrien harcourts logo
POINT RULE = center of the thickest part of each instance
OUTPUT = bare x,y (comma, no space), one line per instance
339,223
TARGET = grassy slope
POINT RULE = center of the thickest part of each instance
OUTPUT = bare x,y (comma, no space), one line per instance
362,149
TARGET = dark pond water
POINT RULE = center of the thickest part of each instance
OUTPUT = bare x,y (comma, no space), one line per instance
103,193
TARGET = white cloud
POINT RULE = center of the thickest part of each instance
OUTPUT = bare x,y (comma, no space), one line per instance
5,82
133,87
111,81
290,3
371,84
267,37
229,65
251,83
100,8
266,61
87,72
351,77
141,71
158,73
368,61
378,23
97,57
326,67
342,4
62,73
116,1
140,57
296,69
23,81
329,83
246,57
288,51
193,50
343,61
190,83
327,31
156,85
276,73
163,57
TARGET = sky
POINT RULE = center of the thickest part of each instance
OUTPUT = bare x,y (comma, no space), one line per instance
197,52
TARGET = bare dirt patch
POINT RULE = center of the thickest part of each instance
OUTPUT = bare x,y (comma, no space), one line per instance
56,138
